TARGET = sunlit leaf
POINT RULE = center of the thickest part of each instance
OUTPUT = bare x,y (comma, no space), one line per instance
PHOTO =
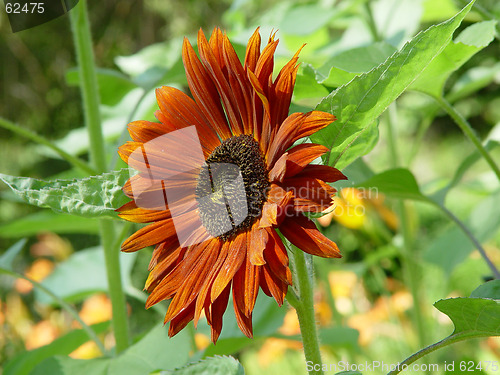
491,289
474,317
457,52
360,102
397,183
95,196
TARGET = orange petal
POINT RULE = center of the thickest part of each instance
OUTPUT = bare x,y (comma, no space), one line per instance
235,257
253,51
296,126
246,287
204,91
217,310
256,243
144,131
130,212
183,111
221,83
181,320
149,235
301,155
303,233
277,257
322,172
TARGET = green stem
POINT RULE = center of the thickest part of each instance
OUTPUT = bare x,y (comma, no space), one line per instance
411,268
76,162
90,94
370,21
304,305
90,332
431,348
469,133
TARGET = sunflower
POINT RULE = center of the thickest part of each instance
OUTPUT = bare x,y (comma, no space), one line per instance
218,176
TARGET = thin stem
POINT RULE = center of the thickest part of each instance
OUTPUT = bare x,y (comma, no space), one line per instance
469,133
90,94
473,239
370,21
431,348
304,305
411,268
90,332
76,162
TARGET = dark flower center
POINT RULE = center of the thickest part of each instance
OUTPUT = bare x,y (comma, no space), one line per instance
232,187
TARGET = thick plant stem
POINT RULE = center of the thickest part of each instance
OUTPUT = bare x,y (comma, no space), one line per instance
469,133
304,305
90,95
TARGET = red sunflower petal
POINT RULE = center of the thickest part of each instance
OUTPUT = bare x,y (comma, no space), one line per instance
130,212
213,68
322,172
183,112
204,91
152,234
246,287
303,233
296,126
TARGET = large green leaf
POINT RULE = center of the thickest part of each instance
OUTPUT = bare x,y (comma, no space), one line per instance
24,363
363,99
457,52
94,196
209,366
472,317
83,273
154,351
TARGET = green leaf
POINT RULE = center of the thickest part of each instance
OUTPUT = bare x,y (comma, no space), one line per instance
95,196
397,183
48,221
209,366
440,195
24,363
491,289
61,365
362,100
451,247
8,257
83,273
155,351
112,84
457,52
306,19
472,317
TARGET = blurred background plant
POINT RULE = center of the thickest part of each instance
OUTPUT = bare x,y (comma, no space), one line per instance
399,258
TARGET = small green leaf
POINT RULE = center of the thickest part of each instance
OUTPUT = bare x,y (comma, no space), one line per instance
8,257
397,183
209,366
362,100
491,289
24,363
95,196
472,317
48,221
457,52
